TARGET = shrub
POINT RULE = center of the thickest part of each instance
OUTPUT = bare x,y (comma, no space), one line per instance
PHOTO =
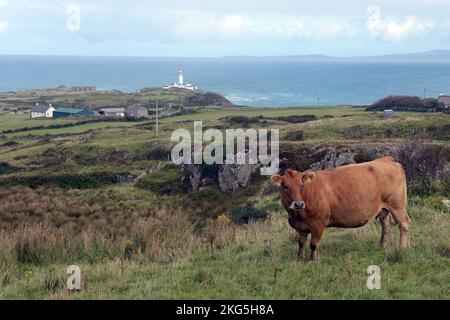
9,144
424,166
406,103
65,181
248,213
295,135
166,181
242,120
159,152
298,119
6,168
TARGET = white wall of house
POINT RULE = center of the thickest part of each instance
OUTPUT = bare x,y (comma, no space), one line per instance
37,115
49,113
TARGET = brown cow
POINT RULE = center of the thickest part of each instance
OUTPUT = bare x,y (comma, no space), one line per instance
345,197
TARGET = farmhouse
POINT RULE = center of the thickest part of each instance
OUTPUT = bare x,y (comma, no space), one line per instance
112,112
445,100
42,111
71,112
137,111
83,89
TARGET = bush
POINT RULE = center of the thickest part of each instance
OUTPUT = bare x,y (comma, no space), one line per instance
6,168
166,181
406,103
298,119
159,152
65,181
295,135
424,166
248,213
242,120
9,144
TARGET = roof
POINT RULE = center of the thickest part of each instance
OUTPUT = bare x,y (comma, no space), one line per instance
71,110
444,99
41,108
112,110
136,107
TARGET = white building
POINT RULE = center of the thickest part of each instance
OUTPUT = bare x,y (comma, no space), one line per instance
181,84
445,100
42,111
112,112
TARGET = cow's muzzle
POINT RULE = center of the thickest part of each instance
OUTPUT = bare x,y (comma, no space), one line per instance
297,205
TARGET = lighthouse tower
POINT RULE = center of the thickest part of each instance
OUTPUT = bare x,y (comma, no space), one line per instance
180,84
180,77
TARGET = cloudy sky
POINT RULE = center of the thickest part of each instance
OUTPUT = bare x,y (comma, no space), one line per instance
220,28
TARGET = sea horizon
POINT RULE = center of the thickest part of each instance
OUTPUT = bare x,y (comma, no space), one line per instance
272,81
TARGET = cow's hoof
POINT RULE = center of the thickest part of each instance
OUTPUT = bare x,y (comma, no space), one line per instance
300,256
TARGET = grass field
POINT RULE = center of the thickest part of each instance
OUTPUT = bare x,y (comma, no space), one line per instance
258,262
61,206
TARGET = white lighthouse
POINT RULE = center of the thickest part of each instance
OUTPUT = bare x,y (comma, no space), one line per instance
180,84
180,77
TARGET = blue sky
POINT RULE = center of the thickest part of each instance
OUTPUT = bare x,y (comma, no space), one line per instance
206,28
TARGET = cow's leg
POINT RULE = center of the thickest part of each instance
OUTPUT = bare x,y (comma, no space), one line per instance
316,234
401,217
302,238
385,227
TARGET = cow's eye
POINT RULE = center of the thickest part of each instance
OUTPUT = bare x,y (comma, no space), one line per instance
285,187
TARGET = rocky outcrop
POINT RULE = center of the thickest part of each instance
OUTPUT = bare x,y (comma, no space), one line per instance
332,159
207,99
229,178
232,178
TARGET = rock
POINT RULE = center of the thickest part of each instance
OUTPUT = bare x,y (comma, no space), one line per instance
193,175
446,203
228,177
333,159
235,177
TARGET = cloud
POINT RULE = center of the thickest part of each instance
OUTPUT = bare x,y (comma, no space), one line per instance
3,26
316,30
200,26
235,25
394,31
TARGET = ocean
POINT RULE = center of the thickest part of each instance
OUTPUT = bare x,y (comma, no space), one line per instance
257,82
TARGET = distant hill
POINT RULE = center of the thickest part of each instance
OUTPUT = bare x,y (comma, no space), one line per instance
20,102
428,56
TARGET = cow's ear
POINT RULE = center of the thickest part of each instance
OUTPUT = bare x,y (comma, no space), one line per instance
308,178
276,180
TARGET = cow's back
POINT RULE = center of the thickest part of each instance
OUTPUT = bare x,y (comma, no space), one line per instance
356,193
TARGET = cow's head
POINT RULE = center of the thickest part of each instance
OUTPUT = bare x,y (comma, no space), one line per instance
292,185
